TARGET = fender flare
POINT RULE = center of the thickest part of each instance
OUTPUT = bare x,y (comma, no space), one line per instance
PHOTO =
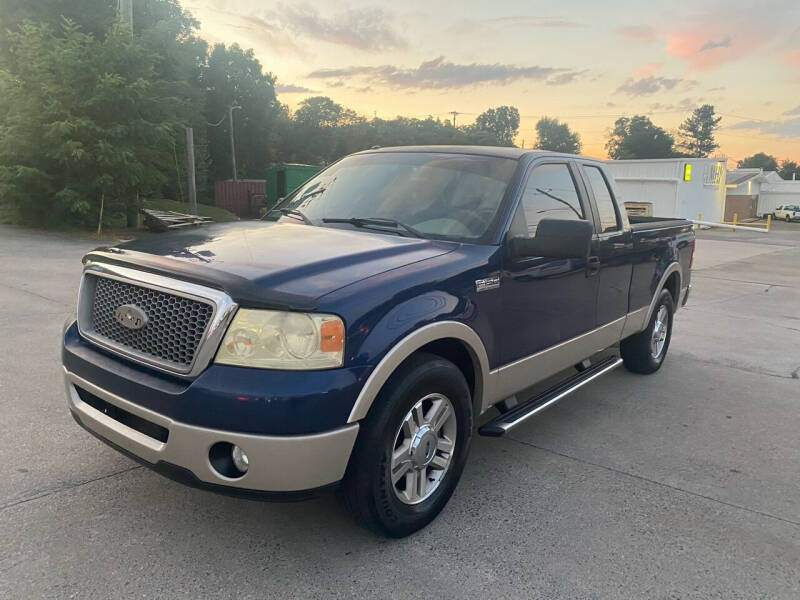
672,268
413,342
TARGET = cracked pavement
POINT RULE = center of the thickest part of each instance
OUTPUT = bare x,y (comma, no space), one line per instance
683,484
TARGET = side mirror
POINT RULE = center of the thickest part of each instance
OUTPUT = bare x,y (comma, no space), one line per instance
555,238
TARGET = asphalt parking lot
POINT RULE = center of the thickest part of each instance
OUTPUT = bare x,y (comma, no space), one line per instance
684,484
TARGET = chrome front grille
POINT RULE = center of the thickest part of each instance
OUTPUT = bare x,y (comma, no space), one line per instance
175,324
181,323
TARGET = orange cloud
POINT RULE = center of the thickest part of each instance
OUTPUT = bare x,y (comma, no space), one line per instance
704,49
793,58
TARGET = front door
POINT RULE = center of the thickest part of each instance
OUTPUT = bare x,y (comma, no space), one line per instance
546,301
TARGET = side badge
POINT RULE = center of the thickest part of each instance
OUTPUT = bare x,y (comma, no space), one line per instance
490,283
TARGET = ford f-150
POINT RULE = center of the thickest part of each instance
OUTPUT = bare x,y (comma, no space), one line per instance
396,303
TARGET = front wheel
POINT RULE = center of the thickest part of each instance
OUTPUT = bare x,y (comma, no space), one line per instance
411,448
644,352
788,219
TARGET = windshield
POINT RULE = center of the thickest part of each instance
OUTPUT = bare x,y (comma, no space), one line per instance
441,195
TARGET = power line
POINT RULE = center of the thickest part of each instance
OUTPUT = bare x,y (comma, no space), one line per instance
740,117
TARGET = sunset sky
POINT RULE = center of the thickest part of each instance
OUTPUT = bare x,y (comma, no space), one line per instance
582,61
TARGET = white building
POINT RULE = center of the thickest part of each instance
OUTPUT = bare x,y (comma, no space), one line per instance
774,194
743,191
754,192
672,187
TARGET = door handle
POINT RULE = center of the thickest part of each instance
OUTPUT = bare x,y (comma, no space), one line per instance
592,266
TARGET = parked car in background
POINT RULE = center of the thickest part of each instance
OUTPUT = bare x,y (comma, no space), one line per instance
788,212
355,337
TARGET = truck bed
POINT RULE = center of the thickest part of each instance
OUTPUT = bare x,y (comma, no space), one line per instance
650,223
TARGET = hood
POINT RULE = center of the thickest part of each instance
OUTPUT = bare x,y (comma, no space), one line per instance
281,265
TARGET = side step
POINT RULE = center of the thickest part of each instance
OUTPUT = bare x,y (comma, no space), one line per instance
522,412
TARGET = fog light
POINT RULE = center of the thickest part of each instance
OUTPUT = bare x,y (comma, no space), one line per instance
240,459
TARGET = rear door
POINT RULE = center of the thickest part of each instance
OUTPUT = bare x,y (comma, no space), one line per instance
545,300
613,246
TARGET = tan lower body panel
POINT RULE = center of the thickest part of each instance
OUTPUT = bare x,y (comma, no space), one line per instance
277,463
514,377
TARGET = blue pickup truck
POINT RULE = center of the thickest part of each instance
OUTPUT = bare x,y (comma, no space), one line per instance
396,303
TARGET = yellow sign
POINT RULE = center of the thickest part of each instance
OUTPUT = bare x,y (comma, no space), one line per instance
687,172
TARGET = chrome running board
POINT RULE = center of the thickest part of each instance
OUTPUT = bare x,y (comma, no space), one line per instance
522,412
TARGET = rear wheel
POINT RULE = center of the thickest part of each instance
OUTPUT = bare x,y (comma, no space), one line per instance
411,448
645,351
788,219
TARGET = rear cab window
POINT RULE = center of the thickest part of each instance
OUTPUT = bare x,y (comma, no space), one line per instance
604,199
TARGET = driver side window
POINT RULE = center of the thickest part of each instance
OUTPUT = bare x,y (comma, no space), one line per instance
550,193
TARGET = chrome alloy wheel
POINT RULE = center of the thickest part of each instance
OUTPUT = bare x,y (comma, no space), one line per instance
660,328
423,448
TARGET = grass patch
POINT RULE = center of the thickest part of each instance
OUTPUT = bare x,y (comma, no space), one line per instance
8,216
220,215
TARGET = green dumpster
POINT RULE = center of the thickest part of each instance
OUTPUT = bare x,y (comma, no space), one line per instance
284,178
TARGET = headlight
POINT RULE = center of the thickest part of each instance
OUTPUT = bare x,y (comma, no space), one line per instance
271,339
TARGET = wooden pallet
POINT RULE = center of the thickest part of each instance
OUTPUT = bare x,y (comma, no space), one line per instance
164,220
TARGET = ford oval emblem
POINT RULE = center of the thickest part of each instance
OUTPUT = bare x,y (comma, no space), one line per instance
130,316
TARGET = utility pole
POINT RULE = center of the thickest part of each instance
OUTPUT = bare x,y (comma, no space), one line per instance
190,171
126,13
233,146
454,113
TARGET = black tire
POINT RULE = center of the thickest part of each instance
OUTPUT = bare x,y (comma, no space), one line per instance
788,219
636,350
367,489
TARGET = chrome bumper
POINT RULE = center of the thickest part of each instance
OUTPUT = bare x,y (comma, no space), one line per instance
277,463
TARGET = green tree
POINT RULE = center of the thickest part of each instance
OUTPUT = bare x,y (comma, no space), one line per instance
637,137
92,16
234,77
321,111
789,170
83,122
759,160
555,136
696,133
323,131
502,122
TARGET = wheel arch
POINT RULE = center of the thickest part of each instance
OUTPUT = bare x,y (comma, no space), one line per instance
673,285
671,280
452,340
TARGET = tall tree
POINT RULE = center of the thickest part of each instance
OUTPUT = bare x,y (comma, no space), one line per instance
555,136
502,122
323,130
760,160
84,123
91,16
696,133
789,170
638,137
321,111
234,77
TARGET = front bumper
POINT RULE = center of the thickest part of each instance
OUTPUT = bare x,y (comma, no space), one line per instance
288,463
240,399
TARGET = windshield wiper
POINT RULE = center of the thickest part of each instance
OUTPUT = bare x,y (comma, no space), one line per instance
297,214
399,227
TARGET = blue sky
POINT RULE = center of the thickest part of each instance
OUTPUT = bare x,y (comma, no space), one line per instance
583,61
